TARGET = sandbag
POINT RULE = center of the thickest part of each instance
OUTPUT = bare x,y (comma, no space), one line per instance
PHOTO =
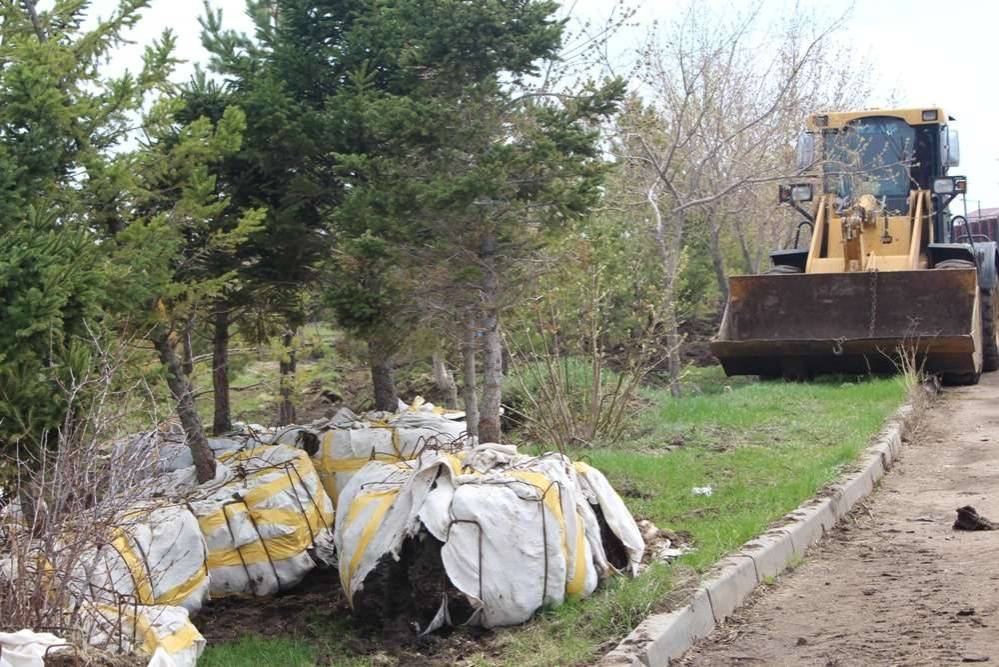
516,532
261,519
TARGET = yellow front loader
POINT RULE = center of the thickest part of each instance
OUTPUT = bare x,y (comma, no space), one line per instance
883,283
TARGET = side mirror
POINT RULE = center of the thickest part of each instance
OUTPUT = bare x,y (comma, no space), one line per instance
950,148
805,150
950,185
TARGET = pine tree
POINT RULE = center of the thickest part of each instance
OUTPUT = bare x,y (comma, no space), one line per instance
63,124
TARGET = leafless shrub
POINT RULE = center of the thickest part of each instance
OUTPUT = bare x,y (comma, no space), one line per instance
72,496
908,359
574,391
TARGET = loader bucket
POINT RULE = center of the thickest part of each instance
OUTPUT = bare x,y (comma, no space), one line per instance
801,325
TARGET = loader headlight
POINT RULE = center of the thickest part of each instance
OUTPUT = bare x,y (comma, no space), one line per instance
930,114
944,186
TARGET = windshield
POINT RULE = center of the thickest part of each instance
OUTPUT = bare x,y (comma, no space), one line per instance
870,156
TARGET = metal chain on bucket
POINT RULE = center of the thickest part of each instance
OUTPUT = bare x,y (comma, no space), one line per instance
874,304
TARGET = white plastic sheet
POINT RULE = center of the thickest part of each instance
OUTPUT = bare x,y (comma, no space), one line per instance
25,648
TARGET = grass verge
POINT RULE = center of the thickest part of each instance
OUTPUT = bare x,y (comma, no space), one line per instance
763,448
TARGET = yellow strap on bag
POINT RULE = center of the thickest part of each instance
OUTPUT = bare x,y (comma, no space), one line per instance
182,591
143,586
577,584
454,462
354,464
279,547
383,499
259,494
329,465
143,628
551,498
179,640
394,435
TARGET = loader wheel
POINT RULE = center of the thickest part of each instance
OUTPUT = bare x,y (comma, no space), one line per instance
990,344
780,269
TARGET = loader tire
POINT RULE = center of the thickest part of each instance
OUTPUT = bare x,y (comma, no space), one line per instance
990,344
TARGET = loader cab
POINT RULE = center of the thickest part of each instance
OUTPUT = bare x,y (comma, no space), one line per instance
887,154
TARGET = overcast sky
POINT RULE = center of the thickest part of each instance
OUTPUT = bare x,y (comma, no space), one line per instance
923,53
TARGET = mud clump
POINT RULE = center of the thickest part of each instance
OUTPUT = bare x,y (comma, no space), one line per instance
968,518
411,590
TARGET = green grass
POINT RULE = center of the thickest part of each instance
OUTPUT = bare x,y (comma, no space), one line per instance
253,650
763,448
319,643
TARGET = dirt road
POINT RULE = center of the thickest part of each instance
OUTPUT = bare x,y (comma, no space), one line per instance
894,585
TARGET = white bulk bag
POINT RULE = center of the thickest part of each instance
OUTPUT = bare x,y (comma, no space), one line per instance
347,442
156,556
518,532
262,519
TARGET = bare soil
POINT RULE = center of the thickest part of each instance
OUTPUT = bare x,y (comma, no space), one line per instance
317,599
91,657
895,584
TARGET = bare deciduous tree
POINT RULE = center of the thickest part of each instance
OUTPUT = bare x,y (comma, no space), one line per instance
719,105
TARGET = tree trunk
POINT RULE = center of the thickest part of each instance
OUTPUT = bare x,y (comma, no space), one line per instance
180,389
188,349
445,381
749,264
668,236
222,421
382,375
714,247
470,377
492,366
674,343
286,411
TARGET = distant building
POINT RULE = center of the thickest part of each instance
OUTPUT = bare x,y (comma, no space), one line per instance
981,223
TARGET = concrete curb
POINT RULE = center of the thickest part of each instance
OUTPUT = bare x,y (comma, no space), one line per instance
664,637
